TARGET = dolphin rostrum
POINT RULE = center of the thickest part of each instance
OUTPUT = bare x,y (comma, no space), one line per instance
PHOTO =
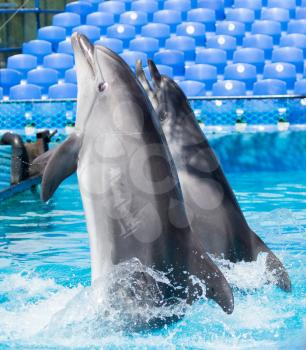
212,208
129,186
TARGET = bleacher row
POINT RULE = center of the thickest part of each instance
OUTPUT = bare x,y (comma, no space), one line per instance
211,47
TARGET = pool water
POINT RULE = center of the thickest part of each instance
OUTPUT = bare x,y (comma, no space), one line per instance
46,301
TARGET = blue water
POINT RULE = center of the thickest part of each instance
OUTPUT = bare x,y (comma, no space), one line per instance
46,301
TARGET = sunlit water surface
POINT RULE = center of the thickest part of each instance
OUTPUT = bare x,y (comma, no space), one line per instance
46,301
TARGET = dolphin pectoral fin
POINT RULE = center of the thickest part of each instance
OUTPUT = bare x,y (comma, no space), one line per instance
217,287
61,164
42,160
279,272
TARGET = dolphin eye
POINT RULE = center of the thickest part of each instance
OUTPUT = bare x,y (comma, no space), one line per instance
163,115
102,87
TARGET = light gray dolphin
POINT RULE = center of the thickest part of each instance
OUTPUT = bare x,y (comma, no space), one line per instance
129,186
212,208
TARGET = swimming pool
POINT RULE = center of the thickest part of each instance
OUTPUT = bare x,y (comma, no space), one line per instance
46,301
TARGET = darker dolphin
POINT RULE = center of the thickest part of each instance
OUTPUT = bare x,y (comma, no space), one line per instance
212,208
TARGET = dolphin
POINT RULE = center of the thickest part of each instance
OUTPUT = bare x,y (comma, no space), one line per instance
128,182
212,208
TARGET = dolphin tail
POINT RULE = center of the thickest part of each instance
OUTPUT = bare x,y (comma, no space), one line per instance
217,287
58,164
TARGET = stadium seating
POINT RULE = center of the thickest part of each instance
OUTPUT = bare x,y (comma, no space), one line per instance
204,73
43,77
38,48
101,20
194,30
215,57
68,20
243,72
25,92
62,91
192,88
112,43
270,87
8,78
22,62
145,44
229,88
224,42
209,46
1,93
172,58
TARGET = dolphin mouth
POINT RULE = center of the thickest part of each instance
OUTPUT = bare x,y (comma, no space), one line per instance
80,43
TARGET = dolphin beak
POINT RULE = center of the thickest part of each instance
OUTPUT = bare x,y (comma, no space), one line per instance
82,46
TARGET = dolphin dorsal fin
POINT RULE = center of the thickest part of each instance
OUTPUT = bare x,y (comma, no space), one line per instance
58,164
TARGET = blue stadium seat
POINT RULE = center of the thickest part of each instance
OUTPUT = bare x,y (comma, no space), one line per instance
70,76
158,31
114,44
232,28
294,40
300,13
135,18
252,56
172,58
59,61
179,5
194,30
216,5
260,41
124,32
101,20
192,88
214,57
1,93
272,28
297,26
270,87
254,5
224,42
205,16
300,87
243,72
43,77
68,20
276,14
82,8
63,91
65,47
53,34
184,44
148,6
246,16
203,73
25,92
145,44
128,4
285,4
114,7
131,57
170,17
229,88
8,78
92,32
291,55
94,3
281,71
38,48
22,62
163,69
